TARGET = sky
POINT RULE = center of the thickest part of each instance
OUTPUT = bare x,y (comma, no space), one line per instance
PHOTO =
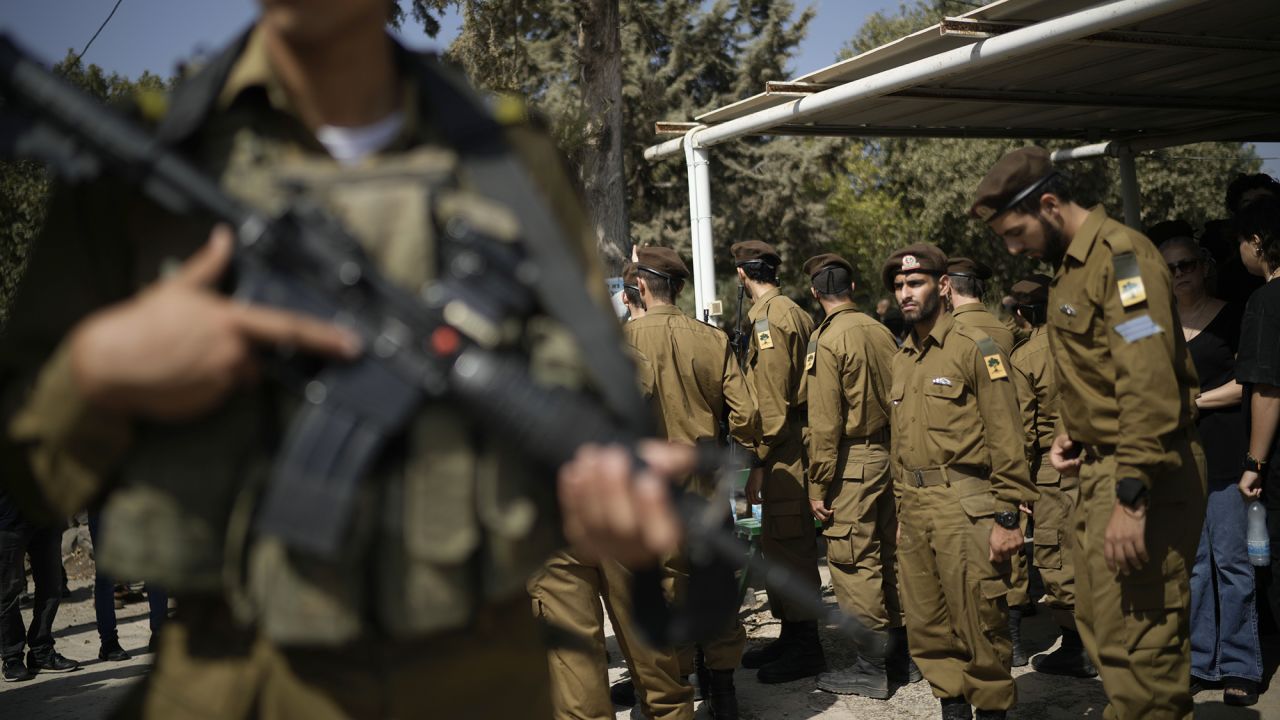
156,34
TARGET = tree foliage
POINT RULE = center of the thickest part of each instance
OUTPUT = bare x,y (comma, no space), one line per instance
24,185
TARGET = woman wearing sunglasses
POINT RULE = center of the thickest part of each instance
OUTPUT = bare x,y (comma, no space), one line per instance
1224,616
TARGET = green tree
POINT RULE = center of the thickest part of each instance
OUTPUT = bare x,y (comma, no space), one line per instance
24,185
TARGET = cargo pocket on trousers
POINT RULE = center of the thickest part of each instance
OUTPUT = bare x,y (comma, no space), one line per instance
992,609
839,544
1047,544
1153,602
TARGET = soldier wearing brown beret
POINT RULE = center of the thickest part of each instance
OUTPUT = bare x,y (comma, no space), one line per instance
957,454
780,332
850,488
1127,392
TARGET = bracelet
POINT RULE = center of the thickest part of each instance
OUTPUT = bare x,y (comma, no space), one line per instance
1253,464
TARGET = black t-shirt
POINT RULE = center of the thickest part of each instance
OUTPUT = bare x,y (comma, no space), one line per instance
1258,361
1222,430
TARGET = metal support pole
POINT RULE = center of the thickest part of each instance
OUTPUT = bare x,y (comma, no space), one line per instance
1129,188
704,270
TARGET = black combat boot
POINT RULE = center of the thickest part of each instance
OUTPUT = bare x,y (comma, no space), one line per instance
112,652
759,657
720,696
801,657
1019,658
901,668
956,708
1069,659
866,677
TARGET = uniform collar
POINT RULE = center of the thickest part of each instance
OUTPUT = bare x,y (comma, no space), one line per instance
664,310
771,294
968,308
837,310
252,70
941,329
1086,234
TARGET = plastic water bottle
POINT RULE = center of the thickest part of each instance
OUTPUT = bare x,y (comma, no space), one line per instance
1259,543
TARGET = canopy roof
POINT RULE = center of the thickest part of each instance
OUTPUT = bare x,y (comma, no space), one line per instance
1207,71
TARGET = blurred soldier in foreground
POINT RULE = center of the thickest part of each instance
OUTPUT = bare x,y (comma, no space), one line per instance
850,490
125,373
775,371
1127,391
962,474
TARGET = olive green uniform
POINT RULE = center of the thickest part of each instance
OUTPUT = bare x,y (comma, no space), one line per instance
775,371
848,388
958,457
1038,397
696,379
1128,390
976,315
424,611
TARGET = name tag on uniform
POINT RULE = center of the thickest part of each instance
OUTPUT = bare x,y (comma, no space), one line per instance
1129,279
764,339
942,381
810,354
1137,328
991,359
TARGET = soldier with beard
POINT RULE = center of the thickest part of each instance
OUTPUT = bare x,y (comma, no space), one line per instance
957,454
1127,428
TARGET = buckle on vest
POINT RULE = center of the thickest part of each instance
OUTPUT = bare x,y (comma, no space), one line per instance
919,477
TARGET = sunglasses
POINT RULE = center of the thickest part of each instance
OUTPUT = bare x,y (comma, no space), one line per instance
1183,266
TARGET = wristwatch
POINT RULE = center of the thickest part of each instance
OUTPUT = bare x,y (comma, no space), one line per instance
1007,519
1253,464
1130,492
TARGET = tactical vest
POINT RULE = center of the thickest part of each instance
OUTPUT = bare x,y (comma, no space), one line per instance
451,519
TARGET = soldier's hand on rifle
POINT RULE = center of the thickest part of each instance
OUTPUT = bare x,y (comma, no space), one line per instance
611,510
175,350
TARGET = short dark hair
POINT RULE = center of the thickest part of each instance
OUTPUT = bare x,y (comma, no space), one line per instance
760,271
661,288
968,285
1262,218
1058,184
633,296
1247,183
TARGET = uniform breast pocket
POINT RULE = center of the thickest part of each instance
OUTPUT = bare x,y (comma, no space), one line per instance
944,404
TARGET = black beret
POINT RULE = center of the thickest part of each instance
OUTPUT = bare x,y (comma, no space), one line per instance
920,257
1034,289
968,267
661,261
1168,230
1010,180
751,250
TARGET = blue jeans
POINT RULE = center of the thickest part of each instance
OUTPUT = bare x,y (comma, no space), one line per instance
1224,616
104,600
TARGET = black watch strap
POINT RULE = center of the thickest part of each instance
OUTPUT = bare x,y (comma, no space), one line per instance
1130,492
1253,464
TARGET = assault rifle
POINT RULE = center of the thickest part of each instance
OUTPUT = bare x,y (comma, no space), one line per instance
442,344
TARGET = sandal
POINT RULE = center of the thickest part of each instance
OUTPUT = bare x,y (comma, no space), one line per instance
1239,692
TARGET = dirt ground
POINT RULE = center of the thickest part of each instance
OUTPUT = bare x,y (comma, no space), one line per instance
92,691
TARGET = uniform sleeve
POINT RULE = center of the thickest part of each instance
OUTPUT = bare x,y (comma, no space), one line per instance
773,373
59,450
1029,407
1142,344
1002,434
744,417
826,419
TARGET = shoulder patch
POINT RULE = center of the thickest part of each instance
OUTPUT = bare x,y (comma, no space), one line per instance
991,358
811,353
1129,279
764,337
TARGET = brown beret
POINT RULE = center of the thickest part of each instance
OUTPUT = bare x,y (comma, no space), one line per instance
749,250
817,263
1033,288
968,267
1010,180
920,257
661,261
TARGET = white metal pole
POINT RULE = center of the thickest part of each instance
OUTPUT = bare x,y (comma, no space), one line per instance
1101,149
690,163
701,237
1129,188
1016,44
